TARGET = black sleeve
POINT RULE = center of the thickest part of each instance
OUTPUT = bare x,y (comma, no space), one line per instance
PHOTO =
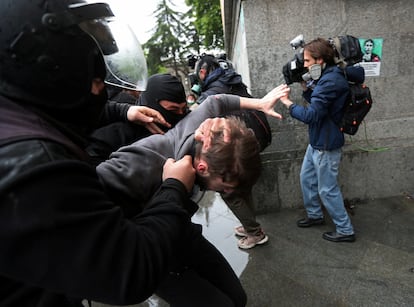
60,232
113,112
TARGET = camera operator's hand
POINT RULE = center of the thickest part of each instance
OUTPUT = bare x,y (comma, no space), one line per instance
181,170
286,101
148,118
206,130
304,86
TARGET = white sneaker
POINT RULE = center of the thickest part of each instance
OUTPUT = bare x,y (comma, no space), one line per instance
251,241
239,231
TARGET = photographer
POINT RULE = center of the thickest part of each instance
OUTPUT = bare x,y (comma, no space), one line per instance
326,91
216,76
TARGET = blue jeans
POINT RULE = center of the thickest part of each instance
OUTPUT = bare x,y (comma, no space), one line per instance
318,179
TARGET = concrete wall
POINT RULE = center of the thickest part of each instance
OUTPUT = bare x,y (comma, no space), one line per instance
257,34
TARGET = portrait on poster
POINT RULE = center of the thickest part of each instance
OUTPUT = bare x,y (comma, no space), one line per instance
372,55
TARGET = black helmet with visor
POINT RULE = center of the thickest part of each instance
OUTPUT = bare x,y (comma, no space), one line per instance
51,50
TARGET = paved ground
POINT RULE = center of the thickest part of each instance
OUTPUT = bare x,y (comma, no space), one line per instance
298,268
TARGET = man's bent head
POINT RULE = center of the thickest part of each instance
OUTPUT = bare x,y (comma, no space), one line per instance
229,164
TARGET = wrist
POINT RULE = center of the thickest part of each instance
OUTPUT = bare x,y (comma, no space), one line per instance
129,114
288,104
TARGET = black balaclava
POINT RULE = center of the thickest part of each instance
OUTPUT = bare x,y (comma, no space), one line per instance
163,87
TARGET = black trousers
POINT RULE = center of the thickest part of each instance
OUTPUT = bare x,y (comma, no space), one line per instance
205,279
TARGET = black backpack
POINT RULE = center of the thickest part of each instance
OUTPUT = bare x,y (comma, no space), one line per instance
257,121
347,50
347,53
239,89
356,107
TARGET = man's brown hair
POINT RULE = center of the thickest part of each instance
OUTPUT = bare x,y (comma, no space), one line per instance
237,160
320,48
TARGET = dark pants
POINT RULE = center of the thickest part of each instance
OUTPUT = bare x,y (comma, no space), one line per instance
240,203
205,280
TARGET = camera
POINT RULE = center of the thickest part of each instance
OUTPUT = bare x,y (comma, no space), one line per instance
294,69
192,60
195,87
192,77
297,42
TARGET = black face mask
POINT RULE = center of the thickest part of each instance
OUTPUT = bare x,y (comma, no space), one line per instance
94,109
86,118
163,87
79,121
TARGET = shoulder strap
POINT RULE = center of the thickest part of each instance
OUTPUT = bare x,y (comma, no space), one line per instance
340,60
343,70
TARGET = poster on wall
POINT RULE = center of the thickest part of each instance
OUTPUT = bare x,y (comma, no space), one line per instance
372,54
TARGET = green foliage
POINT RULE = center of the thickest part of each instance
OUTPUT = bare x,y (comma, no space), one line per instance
177,34
208,23
165,46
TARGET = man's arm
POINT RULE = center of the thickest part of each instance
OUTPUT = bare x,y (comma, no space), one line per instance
135,170
81,243
147,117
113,112
142,115
267,103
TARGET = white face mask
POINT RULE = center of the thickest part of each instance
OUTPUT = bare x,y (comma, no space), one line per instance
314,72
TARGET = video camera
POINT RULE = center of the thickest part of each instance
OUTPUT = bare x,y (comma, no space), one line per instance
195,86
294,69
192,60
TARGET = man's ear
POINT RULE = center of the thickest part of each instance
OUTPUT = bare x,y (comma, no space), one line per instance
202,167
202,73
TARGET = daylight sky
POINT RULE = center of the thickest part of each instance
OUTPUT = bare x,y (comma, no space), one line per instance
138,14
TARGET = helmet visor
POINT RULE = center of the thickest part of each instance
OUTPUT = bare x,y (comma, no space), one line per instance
126,68
124,57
